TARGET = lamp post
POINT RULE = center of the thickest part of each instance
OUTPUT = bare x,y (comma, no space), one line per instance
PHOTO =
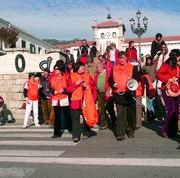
139,30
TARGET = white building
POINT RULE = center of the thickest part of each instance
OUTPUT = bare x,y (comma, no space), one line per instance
173,42
25,40
108,32
111,31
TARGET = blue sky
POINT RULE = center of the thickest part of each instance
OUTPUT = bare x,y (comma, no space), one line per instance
68,19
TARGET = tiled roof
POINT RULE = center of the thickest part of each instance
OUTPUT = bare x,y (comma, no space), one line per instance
108,23
74,44
136,40
150,39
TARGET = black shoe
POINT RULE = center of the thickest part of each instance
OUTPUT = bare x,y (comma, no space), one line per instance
11,121
120,138
131,135
2,123
75,139
55,136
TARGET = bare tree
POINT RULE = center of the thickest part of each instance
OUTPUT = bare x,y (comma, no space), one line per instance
9,36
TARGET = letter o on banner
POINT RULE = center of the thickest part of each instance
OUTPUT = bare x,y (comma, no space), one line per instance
20,63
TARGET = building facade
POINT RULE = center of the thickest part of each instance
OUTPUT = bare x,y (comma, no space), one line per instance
108,32
113,31
25,40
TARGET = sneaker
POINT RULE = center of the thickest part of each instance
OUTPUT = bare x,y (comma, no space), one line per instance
37,125
75,139
25,126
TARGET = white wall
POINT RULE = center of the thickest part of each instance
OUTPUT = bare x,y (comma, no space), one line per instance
102,43
31,62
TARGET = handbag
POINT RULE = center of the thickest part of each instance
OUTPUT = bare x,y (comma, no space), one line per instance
172,87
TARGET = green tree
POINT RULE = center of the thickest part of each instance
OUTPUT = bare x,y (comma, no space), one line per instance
9,36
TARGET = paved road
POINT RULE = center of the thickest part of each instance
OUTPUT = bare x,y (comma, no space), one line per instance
32,153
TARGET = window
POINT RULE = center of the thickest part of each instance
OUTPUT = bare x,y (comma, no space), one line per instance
108,43
39,50
102,35
23,44
1,45
13,45
114,35
32,49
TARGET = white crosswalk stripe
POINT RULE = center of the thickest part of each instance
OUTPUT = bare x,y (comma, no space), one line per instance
29,142
39,143
97,161
30,153
32,135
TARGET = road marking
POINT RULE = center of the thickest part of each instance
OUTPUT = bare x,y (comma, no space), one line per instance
33,130
97,161
26,130
16,172
32,135
31,153
42,128
38,143
20,126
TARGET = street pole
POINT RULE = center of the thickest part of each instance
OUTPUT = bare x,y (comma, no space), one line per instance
139,48
139,30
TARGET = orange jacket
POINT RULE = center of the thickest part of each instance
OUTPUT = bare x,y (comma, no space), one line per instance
121,75
90,113
32,91
58,83
77,94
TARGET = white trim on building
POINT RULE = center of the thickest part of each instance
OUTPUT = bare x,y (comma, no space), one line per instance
27,40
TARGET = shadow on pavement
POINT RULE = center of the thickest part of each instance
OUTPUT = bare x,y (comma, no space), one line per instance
156,126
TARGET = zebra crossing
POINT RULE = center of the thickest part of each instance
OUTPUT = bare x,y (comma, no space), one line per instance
35,145
25,143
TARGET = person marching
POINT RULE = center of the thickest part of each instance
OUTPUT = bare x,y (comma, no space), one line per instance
169,75
79,83
59,96
105,101
131,52
45,95
123,98
31,89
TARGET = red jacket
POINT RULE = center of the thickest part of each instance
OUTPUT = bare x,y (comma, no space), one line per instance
166,72
131,54
83,59
72,87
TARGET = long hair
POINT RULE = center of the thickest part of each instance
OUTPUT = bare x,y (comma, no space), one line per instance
172,60
77,65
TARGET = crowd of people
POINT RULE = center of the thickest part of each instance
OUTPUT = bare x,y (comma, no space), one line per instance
122,92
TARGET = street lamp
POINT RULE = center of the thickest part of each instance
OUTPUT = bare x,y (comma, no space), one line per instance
139,30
